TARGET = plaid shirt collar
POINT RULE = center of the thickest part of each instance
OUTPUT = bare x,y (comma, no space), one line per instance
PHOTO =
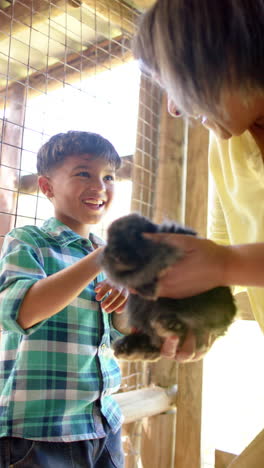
65,236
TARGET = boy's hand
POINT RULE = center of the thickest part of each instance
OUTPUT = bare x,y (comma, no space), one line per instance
117,298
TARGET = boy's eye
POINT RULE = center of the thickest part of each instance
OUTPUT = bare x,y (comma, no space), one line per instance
83,174
109,177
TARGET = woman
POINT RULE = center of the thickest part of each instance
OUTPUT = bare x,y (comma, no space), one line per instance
210,60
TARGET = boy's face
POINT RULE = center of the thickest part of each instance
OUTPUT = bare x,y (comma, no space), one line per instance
81,190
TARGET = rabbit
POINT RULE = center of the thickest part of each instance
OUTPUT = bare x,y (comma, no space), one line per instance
135,262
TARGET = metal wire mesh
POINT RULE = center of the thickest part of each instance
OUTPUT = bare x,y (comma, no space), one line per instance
146,154
68,65
63,65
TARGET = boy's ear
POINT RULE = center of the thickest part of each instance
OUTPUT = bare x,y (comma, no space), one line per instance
45,186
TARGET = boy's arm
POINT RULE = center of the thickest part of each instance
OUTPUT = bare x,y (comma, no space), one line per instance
27,295
50,295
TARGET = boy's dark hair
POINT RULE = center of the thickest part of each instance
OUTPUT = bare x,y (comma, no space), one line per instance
197,48
75,143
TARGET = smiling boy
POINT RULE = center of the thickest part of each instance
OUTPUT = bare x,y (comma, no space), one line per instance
57,369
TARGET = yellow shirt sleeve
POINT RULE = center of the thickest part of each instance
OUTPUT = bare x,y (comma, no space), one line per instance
236,200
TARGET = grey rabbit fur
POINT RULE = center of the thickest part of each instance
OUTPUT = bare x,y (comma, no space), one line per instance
135,262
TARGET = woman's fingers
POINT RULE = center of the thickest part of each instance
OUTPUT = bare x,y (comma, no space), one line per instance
187,352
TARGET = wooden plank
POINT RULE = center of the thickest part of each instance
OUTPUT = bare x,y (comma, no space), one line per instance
182,195
197,179
223,459
10,154
115,12
131,436
32,12
29,183
158,433
252,456
189,399
145,402
168,204
189,409
22,14
93,60
170,180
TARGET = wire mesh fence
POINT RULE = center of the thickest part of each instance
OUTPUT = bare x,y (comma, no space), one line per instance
63,66
67,65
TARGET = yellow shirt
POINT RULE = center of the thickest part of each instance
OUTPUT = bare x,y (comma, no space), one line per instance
237,199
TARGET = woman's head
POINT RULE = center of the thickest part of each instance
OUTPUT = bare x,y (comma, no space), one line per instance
200,49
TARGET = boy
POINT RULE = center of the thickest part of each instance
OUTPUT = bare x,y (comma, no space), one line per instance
57,370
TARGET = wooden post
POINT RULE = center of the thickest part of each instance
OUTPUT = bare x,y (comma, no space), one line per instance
10,156
252,456
143,177
181,194
141,430
189,400
158,432
169,203
223,459
171,174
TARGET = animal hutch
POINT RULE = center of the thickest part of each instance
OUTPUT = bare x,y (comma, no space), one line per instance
67,64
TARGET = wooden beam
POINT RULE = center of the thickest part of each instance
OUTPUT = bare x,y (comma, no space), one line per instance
19,16
170,180
10,156
252,456
189,399
189,410
116,12
158,433
138,404
29,183
197,178
95,59
168,204
182,195
223,459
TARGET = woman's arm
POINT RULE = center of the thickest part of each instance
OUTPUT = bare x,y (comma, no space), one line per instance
207,265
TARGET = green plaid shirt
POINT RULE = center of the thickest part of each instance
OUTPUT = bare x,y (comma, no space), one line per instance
57,377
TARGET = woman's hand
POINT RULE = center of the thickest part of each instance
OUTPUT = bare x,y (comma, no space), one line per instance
187,352
202,267
117,298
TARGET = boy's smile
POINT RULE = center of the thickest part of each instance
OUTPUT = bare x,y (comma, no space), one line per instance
81,190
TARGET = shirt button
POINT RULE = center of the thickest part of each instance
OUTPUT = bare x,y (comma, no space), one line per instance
103,347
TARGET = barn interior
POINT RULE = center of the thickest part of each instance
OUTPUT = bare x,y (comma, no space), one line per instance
67,65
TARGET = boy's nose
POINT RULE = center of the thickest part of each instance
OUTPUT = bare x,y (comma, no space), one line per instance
97,185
